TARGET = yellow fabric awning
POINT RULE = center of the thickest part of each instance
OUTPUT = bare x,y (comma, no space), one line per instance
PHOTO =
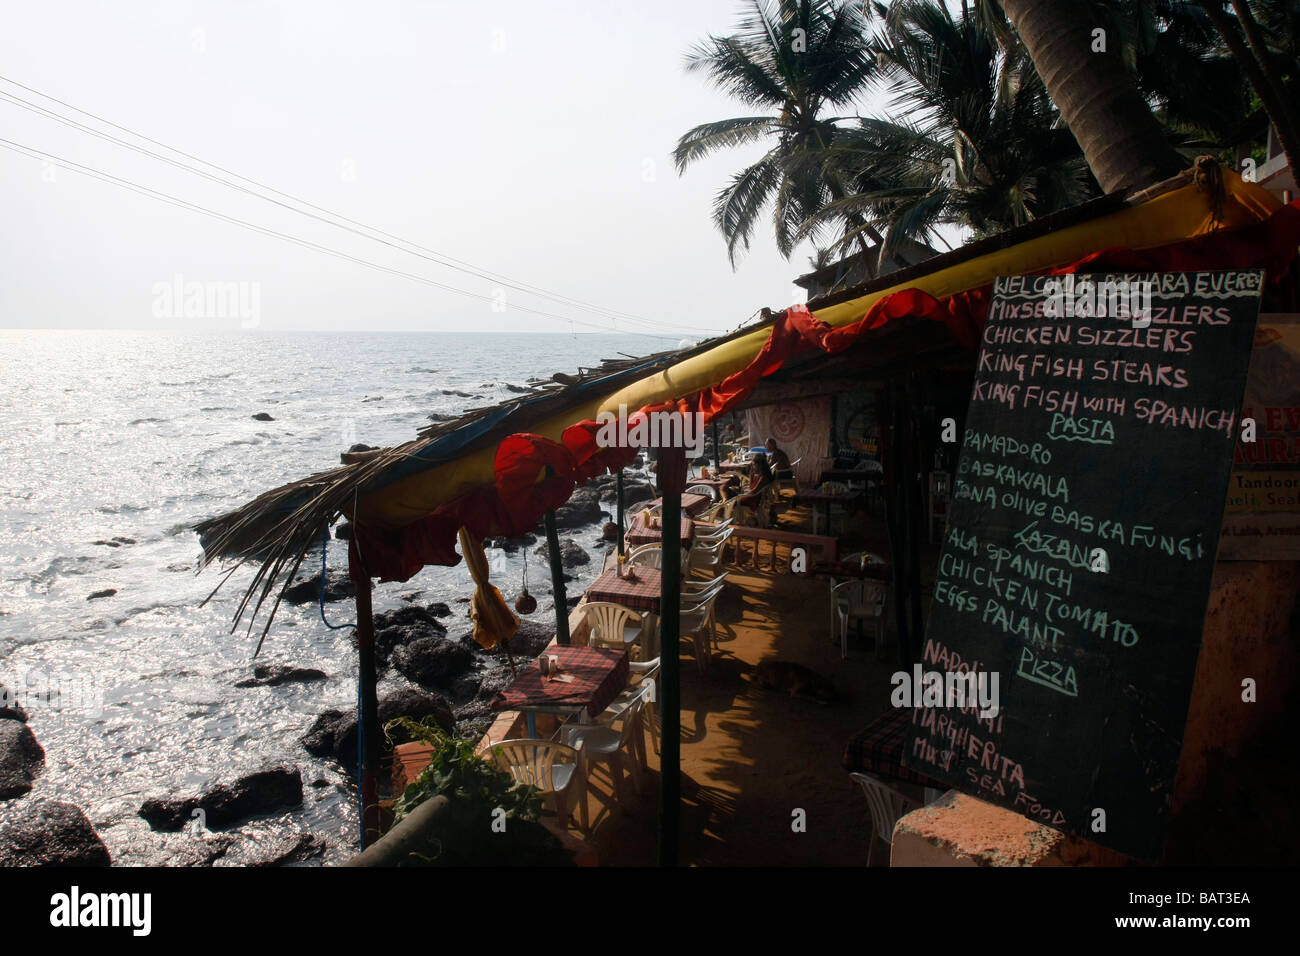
1178,214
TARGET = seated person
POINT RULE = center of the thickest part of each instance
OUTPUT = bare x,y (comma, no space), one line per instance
780,460
760,475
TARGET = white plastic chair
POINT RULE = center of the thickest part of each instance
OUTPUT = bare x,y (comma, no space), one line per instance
612,625
830,487
553,768
708,555
886,805
707,490
792,483
859,600
646,556
697,623
642,683
602,742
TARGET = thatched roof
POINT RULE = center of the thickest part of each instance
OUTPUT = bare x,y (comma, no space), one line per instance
279,527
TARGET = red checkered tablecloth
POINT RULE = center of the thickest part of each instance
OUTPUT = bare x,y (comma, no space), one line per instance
691,504
879,749
599,673
640,593
638,534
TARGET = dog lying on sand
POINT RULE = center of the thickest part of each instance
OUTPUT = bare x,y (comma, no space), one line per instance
797,680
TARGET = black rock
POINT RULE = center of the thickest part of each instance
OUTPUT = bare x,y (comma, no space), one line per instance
582,508
531,637
273,675
517,389
439,609
226,804
319,739
274,849
107,592
337,587
571,554
438,417
342,531
262,417
429,660
359,447
10,709
635,492
404,626
48,833
21,759
334,733
456,394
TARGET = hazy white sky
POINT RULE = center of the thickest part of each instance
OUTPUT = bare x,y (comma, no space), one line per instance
532,139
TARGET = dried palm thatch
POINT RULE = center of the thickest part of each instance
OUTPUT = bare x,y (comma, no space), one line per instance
278,528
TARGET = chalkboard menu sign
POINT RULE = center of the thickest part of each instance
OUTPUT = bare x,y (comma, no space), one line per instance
1068,605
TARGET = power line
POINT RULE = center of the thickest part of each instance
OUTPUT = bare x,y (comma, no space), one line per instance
351,225
33,153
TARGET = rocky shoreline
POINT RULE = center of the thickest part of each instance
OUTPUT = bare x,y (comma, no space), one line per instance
425,653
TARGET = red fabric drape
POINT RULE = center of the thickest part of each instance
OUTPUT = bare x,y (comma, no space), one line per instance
524,490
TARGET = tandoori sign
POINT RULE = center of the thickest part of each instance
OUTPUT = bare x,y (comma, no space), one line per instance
1263,511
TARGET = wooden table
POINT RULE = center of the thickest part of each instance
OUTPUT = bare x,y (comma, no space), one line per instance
878,749
641,592
638,533
849,475
599,675
691,504
734,467
828,498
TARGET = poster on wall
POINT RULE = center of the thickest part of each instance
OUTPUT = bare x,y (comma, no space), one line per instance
1262,517
801,429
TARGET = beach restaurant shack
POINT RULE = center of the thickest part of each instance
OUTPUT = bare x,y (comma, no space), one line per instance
499,471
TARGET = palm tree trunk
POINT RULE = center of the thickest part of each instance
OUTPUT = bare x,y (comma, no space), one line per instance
1120,137
1260,74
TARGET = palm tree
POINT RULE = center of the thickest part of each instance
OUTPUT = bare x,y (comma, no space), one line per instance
1112,121
793,59
977,144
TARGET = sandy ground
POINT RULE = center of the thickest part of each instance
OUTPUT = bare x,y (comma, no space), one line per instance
752,758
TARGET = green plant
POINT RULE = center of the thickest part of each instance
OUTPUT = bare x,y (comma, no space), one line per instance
494,820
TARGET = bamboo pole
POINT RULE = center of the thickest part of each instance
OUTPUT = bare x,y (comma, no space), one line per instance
368,729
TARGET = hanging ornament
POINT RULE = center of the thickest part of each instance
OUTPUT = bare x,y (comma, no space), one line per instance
525,603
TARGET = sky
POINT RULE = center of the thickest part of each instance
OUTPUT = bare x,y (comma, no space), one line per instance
532,140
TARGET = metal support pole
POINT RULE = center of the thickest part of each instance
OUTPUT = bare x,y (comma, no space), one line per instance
557,579
369,730
622,545
672,473
895,521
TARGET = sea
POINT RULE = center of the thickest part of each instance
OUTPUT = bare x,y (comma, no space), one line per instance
112,445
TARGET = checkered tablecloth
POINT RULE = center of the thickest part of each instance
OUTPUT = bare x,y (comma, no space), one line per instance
691,504
879,749
719,485
599,673
638,534
640,593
